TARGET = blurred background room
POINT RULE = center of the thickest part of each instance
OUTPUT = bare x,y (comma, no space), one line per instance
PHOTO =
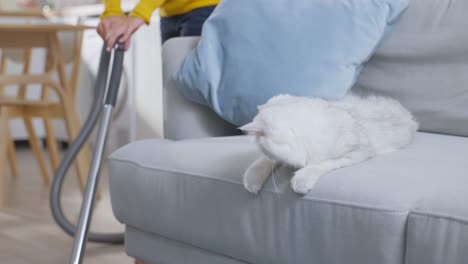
38,133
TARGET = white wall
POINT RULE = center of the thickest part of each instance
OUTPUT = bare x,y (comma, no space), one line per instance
148,80
9,5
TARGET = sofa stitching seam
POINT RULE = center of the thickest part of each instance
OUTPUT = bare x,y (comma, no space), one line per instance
186,244
311,199
139,165
440,216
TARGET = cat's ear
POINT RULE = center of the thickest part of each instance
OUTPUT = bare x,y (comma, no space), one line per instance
253,129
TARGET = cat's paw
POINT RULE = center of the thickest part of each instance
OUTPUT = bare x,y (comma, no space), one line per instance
305,179
251,182
253,179
256,175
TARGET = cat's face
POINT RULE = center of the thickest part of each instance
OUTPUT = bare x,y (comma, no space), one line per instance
276,132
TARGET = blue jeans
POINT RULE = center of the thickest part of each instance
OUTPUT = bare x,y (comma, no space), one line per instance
189,24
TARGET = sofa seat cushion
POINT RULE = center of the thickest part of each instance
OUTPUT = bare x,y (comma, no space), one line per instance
438,224
191,191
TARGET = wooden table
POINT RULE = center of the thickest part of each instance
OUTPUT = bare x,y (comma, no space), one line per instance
79,10
25,13
42,35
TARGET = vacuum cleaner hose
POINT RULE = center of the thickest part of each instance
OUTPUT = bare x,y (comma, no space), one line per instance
74,149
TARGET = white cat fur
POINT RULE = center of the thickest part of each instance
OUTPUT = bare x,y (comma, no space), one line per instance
317,136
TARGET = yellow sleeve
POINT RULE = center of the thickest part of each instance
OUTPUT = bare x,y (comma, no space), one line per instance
112,8
145,8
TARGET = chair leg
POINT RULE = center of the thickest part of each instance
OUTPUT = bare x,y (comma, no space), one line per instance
36,148
51,142
4,137
12,157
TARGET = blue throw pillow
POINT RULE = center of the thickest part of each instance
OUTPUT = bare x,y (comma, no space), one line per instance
252,50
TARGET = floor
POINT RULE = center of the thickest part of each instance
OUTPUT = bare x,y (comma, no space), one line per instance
28,234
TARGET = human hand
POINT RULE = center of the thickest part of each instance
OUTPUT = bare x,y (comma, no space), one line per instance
118,28
27,3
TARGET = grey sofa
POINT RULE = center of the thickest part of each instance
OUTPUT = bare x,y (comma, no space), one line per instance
182,199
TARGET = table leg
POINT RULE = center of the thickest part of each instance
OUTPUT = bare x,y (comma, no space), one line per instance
4,137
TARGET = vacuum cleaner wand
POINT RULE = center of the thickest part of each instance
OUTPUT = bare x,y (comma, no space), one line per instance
81,234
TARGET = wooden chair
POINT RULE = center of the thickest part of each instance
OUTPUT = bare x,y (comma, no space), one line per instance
27,37
33,140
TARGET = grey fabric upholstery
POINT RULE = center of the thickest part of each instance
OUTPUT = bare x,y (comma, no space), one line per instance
183,201
438,226
183,118
146,245
191,192
424,64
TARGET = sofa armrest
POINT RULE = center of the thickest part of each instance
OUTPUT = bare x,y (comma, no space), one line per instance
182,118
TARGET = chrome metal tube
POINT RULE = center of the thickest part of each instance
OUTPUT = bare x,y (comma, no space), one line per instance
79,244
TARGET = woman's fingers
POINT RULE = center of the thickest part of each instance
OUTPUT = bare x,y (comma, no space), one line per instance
104,31
127,44
115,34
99,29
28,3
118,28
133,24
126,37
110,28
112,38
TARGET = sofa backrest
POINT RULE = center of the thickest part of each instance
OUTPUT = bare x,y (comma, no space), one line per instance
184,119
424,64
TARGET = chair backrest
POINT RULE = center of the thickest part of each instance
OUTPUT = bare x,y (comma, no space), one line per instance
70,44
423,63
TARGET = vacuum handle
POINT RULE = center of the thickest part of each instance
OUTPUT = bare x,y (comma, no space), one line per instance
81,234
103,70
116,75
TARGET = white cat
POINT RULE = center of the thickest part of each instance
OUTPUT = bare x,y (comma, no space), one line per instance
318,136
